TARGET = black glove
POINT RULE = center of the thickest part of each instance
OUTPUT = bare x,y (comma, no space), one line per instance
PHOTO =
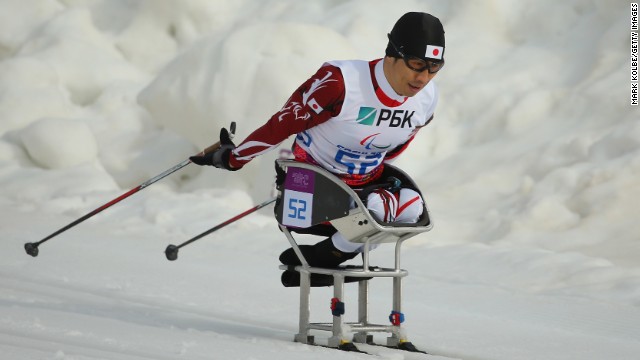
219,157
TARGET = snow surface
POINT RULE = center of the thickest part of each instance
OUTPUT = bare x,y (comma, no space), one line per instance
530,171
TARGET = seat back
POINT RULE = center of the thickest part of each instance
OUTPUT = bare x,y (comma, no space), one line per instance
311,196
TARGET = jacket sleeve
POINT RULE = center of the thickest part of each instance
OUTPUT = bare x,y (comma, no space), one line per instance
317,100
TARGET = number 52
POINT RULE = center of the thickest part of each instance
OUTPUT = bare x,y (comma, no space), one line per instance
297,209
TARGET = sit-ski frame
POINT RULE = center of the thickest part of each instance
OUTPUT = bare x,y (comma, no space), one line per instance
356,224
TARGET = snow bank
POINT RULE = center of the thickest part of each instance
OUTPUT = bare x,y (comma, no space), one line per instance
171,74
530,170
59,143
30,91
84,58
243,76
18,21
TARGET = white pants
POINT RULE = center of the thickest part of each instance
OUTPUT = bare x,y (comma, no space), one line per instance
404,206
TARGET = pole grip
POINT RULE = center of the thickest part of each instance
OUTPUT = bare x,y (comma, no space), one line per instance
211,148
216,146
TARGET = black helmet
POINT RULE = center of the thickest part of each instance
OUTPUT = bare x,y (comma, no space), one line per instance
417,34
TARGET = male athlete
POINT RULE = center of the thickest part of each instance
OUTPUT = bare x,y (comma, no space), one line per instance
350,118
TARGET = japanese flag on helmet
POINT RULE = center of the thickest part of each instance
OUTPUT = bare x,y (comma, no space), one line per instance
434,52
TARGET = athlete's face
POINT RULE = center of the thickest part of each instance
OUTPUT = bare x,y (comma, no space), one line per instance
405,81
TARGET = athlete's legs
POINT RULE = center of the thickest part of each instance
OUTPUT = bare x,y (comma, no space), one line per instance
404,206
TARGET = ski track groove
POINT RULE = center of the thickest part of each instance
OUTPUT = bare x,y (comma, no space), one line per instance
576,315
119,299
108,304
129,303
95,350
123,307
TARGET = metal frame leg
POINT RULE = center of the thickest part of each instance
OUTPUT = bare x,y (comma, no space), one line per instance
396,336
338,321
363,312
305,310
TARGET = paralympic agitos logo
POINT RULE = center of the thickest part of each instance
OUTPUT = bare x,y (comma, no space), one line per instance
392,118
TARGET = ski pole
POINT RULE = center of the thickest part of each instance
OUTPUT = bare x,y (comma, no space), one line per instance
32,247
172,250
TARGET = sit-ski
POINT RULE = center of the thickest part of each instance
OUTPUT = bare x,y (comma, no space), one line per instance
310,197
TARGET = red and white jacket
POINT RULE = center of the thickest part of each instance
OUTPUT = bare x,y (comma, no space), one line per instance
347,119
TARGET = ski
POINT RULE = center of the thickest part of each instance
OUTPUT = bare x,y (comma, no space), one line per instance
405,347
348,347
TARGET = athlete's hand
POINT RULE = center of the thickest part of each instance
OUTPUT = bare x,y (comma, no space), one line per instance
219,157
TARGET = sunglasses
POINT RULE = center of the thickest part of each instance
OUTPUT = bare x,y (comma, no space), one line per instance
415,63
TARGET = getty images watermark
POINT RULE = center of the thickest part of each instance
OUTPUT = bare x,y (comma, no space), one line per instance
634,54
